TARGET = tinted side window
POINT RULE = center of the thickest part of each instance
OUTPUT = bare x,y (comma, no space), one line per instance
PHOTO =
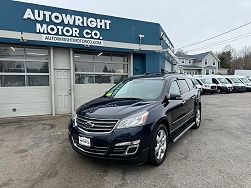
190,84
229,80
183,86
174,89
215,81
199,82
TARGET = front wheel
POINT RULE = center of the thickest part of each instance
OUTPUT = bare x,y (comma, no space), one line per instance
159,145
197,118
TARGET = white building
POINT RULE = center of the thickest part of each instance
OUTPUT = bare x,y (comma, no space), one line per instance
200,64
246,73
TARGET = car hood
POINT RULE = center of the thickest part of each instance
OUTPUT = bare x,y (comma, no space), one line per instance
238,84
112,108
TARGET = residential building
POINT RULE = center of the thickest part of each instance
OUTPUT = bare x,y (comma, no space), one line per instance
200,64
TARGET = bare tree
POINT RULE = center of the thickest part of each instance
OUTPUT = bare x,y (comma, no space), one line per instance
246,57
180,52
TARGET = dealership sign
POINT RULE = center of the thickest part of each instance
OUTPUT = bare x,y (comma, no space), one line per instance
76,29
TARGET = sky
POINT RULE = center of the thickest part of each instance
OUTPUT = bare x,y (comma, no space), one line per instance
185,21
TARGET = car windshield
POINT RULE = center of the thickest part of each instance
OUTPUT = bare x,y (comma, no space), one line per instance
205,81
235,80
223,81
143,89
245,80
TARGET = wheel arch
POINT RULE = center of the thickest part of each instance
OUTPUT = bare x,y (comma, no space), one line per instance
165,122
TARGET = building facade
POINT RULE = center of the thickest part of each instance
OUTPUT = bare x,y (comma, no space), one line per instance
200,64
52,60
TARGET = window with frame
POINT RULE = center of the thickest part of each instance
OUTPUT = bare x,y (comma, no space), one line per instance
23,66
205,61
174,89
183,86
100,67
207,71
190,84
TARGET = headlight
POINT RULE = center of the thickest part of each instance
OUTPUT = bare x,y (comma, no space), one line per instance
133,121
74,119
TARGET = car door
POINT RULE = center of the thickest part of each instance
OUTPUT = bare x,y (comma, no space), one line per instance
188,99
192,94
175,107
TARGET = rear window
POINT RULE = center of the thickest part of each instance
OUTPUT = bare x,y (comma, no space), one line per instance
190,84
183,86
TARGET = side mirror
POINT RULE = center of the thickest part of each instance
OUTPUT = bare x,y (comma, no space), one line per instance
174,97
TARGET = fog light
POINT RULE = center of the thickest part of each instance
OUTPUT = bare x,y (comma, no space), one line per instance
132,149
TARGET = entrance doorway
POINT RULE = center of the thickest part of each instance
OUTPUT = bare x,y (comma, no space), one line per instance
63,91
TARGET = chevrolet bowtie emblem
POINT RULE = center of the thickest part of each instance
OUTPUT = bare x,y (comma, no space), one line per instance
89,124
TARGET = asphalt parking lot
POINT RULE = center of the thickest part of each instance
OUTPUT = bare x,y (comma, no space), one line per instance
34,152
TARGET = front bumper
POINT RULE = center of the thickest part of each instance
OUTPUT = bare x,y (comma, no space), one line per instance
209,90
226,89
116,146
239,88
248,88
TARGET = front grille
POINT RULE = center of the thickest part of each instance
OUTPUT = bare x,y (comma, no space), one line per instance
95,125
213,87
98,150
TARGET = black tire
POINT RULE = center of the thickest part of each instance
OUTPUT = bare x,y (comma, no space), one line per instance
197,120
219,90
152,158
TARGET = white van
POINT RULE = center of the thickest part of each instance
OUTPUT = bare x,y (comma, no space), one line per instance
223,86
245,81
207,85
237,84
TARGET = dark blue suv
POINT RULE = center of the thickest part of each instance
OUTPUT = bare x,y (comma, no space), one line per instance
137,119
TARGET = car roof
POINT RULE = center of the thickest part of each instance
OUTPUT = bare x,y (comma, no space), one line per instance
230,76
240,76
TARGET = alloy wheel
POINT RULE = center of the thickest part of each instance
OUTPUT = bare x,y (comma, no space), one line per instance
197,120
160,148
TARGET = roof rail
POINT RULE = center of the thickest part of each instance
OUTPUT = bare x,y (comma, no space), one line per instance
162,72
153,73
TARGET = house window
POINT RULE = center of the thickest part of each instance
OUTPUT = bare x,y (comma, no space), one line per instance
182,61
205,61
189,61
207,71
213,63
23,66
213,72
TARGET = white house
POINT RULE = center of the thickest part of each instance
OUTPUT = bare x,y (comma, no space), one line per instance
200,64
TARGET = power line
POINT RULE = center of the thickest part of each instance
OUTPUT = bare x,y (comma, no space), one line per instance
205,47
216,36
221,42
